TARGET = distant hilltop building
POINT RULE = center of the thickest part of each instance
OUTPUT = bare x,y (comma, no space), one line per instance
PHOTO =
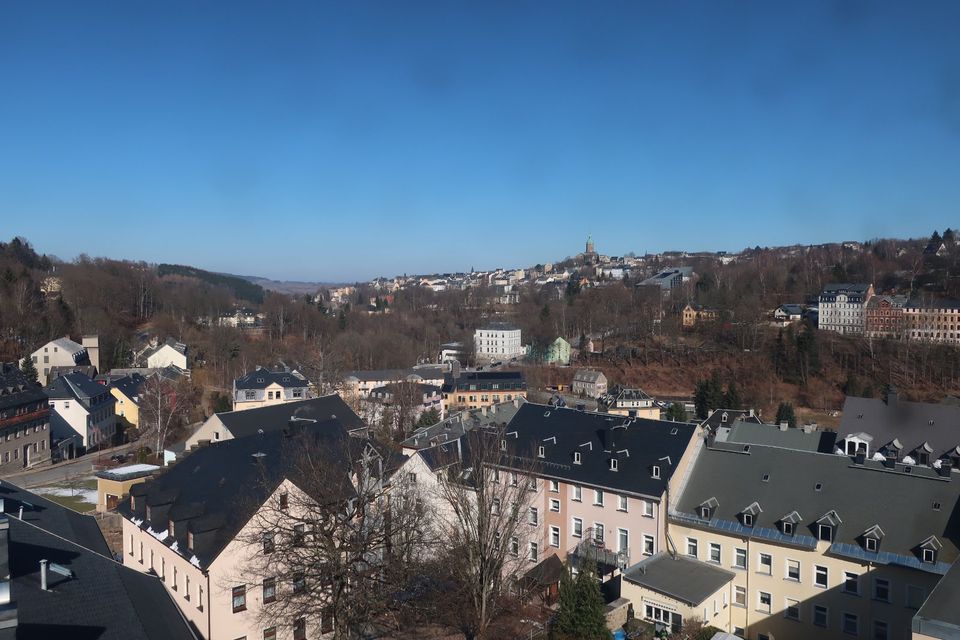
498,341
842,307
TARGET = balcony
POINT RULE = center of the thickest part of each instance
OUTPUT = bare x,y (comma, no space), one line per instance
591,548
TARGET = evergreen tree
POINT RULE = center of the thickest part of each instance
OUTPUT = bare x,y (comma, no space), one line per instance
949,236
935,238
565,623
591,623
29,369
428,418
676,412
545,313
785,413
732,398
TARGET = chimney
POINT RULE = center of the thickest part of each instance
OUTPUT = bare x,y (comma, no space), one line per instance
890,463
944,469
751,413
92,345
784,426
43,575
860,458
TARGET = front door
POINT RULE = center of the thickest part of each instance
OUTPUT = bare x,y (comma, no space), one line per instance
26,455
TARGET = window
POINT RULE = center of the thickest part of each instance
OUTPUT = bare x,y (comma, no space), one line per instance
299,583
554,536
851,583
656,471
766,564
175,581
513,477
621,503
577,528
929,555
299,534
714,553
647,509
881,631
692,547
598,532
284,500
577,493
739,596
764,601
825,532
532,484
554,486
541,451
514,546
851,624
576,457
239,599
300,629
534,552
740,558
554,504
268,544
533,516
871,544
598,497
793,570
186,587
270,633
623,540
269,590
200,597
648,545
820,614
792,610
820,576
881,589
747,520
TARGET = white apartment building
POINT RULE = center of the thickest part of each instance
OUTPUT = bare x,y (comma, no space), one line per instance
842,307
62,352
81,407
498,341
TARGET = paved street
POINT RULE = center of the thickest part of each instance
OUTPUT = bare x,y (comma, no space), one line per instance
62,471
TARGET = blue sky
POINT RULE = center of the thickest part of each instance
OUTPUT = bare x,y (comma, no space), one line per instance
341,141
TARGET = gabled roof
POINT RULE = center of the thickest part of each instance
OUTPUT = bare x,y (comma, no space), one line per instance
261,378
454,426
498,326
637,444
939,617
50,516
16,389
68,345
801,439
909,507
75,386
130,386
685,579
589,376
102,599
277,416
217,488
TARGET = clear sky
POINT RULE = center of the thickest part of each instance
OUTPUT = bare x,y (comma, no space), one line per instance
345,140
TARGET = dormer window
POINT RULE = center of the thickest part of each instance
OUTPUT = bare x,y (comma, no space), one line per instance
576,457
871,544
723,417
929,555
541,451
826,525
825,532
747,520
787,528
190,540
503,445
748,515
929,550
656,471
613,464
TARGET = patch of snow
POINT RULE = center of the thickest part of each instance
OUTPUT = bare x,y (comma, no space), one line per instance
159,535
136,521
87,495
937,463
909,460
195,562
173,547
879,457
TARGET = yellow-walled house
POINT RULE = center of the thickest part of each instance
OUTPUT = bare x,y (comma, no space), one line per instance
127,390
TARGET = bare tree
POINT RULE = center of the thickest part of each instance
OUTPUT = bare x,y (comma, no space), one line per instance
481,503
339,538
164,404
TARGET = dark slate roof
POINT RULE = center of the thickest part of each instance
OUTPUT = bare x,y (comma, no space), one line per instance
681,578
50,516
440,456
939,617
16,389
386,392
498,326
792,309
103,600
216,488
75,386
261,378
424,373
484,381
637,444
454,426
773,435
845,287
937,303
590,376
903,504
912,423
131,386
277,416
715,419
86,369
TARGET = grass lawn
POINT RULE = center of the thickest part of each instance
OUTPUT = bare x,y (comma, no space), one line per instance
79,495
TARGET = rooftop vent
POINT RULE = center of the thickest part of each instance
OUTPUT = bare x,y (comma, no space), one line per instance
766,477
818,486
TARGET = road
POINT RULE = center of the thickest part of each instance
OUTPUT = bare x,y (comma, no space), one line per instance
53,474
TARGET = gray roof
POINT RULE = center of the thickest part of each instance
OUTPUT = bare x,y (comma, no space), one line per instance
716,417
912,423
681,578
276,417
845,287
939,617
50,516
261,378
454,426
103,599
498,325
76,386
908,506
773,435
589,376
397,375
16,389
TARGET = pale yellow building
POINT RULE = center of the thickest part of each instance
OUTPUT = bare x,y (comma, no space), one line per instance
633,403
128,391
114,484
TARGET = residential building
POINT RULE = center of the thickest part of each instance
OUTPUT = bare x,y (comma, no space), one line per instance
787,314
189,527
821,545
128,392
451,352
693,314
719,418
158,355
83,411
24,420
412,398
601,481
939,617
62,352
915,433
359,384
498,341
262,387
114,484
932,321
275,417
634,403
558,352
883,317
60,580
669,279
475,389
841,307
451,428
589,383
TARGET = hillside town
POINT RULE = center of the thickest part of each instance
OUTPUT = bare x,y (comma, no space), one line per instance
375,502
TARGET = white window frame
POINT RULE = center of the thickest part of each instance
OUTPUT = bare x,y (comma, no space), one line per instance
765,568
555,534
577,495
622,502
849,577
786,574
714,547
573,527
739,553
621,534
648,509
653,544
695,545
787,604
826,616
760,605
889,589
598,497
816,576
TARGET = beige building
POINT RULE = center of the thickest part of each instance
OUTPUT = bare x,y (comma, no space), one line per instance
820,545
114,484
476,389
262,387
633,403
932,321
